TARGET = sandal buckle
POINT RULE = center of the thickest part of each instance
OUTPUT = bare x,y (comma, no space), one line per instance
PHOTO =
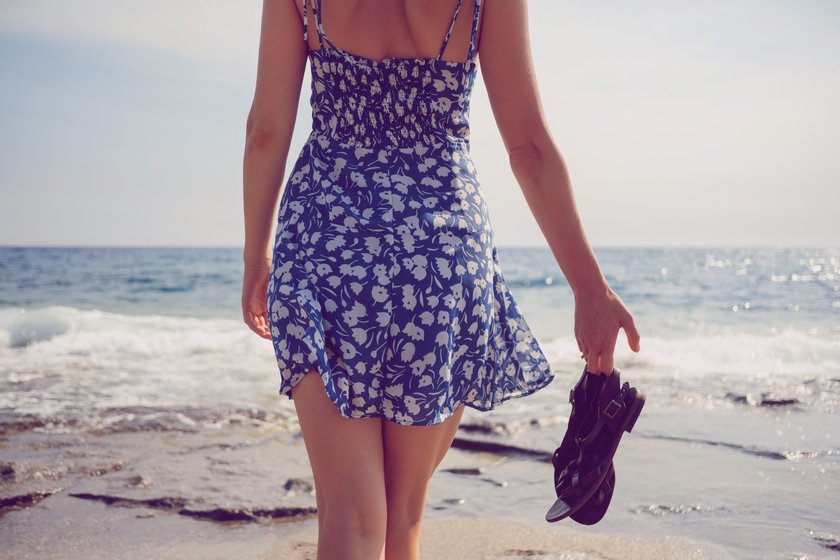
612,409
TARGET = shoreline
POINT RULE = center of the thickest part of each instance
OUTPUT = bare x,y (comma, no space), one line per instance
210,492
248,492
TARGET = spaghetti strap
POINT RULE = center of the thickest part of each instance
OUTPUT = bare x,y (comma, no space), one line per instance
322,36
474,30
449,32
305,23
319,26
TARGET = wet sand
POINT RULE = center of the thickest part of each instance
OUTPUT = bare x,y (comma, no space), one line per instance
92,530
247,492
486,538
140,488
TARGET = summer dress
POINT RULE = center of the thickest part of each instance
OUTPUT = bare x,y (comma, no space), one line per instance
385,277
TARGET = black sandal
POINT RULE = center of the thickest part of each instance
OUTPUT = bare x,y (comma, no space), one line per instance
613,410
581,397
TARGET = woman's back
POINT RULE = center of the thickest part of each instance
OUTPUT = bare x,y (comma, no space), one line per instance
403,29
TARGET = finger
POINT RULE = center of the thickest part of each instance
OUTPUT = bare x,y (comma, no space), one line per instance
264,325
608,356
599,361
251,321
607,363
265,328
584,356
595,363
633,337
254,324
591,363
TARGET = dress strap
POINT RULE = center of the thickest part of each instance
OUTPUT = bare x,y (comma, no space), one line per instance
449,32
322,36
305,22
474,32
319,26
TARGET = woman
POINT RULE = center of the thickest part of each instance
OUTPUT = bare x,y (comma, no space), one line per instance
382,292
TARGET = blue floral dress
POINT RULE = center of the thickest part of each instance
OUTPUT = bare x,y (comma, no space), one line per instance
385,278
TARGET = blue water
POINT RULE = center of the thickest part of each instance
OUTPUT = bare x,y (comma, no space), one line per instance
740,359
780,286
183,282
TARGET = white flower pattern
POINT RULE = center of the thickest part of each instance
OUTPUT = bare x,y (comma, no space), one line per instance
385,277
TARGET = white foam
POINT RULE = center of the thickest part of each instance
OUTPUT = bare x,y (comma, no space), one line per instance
35,326
792,352
59,359
65,362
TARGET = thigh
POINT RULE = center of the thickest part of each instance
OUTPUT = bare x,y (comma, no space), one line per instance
346,454
412,453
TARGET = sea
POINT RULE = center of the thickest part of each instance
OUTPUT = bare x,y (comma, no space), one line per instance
128,374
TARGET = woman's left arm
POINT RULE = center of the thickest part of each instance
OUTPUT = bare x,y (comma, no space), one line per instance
268,130
538,166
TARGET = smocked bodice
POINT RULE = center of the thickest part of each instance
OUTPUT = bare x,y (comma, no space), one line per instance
395,101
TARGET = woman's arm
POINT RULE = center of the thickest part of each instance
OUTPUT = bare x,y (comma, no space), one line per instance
271,121
508,72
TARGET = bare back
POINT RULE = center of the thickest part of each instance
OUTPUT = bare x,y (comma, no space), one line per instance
396,28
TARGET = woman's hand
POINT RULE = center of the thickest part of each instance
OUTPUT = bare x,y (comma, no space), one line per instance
254,292
597,321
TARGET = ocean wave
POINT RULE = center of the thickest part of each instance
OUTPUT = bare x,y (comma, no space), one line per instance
798,353
72,365
80,332
76,369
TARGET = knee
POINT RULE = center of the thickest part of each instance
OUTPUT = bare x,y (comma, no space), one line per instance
405,513
362,520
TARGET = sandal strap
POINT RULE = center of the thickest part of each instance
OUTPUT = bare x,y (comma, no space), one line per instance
577,484
610,413
615,410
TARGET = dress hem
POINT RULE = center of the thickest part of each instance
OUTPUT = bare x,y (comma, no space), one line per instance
475,404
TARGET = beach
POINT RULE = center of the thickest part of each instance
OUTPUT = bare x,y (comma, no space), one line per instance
203,496
139,416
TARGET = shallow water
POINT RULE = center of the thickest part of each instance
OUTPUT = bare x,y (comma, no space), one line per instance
127,373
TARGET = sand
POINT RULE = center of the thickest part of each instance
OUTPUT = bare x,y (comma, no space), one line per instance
67,528
485,538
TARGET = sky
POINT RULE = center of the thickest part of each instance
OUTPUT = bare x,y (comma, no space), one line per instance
682,123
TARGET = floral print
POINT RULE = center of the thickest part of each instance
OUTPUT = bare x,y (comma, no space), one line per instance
385,277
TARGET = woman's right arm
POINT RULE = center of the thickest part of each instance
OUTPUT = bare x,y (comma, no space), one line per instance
268,134
508,72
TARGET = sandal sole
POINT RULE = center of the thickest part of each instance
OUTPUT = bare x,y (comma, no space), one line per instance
596,507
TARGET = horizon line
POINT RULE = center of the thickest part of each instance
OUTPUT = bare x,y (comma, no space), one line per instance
498,245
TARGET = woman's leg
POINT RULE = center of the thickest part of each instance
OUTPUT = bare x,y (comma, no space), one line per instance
412,453
347,464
